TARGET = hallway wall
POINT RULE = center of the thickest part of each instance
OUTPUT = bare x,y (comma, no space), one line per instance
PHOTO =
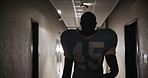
126,11
15,37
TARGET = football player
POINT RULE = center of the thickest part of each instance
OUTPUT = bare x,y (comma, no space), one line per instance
87,49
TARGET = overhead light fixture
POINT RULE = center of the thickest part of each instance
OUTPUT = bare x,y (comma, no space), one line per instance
80,10
88,3
83,5
79,16
77,6
79,13
59,11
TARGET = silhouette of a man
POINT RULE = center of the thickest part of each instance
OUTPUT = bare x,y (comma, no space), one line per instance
87,49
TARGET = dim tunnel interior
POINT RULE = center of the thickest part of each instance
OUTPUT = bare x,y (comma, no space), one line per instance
30,37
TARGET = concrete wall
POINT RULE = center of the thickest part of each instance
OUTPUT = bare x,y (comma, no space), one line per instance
126,11
15,38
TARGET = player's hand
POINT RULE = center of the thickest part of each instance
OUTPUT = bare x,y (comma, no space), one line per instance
107,76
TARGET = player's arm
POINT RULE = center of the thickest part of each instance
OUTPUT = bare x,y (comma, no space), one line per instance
68,56
68,63
112,63
110,56
67,68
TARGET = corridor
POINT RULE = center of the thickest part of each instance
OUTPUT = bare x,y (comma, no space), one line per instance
30,31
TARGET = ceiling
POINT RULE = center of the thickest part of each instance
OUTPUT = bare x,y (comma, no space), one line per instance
71,10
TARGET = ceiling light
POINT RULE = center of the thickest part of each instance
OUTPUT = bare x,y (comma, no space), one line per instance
80,10
59,11
88,3
79,13
82,5
79,16
77,6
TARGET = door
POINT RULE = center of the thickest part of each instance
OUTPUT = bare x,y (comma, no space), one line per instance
130,49
35,63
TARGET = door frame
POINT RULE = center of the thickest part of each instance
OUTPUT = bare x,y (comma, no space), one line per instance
137,45
34,48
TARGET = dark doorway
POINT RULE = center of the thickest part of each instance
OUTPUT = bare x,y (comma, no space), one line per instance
35,61
130,49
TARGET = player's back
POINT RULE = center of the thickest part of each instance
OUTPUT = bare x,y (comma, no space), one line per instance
88,52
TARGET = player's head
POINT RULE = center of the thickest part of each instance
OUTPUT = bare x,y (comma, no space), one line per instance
88,21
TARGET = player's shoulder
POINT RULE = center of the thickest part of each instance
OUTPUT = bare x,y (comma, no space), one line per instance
108,31
67,32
